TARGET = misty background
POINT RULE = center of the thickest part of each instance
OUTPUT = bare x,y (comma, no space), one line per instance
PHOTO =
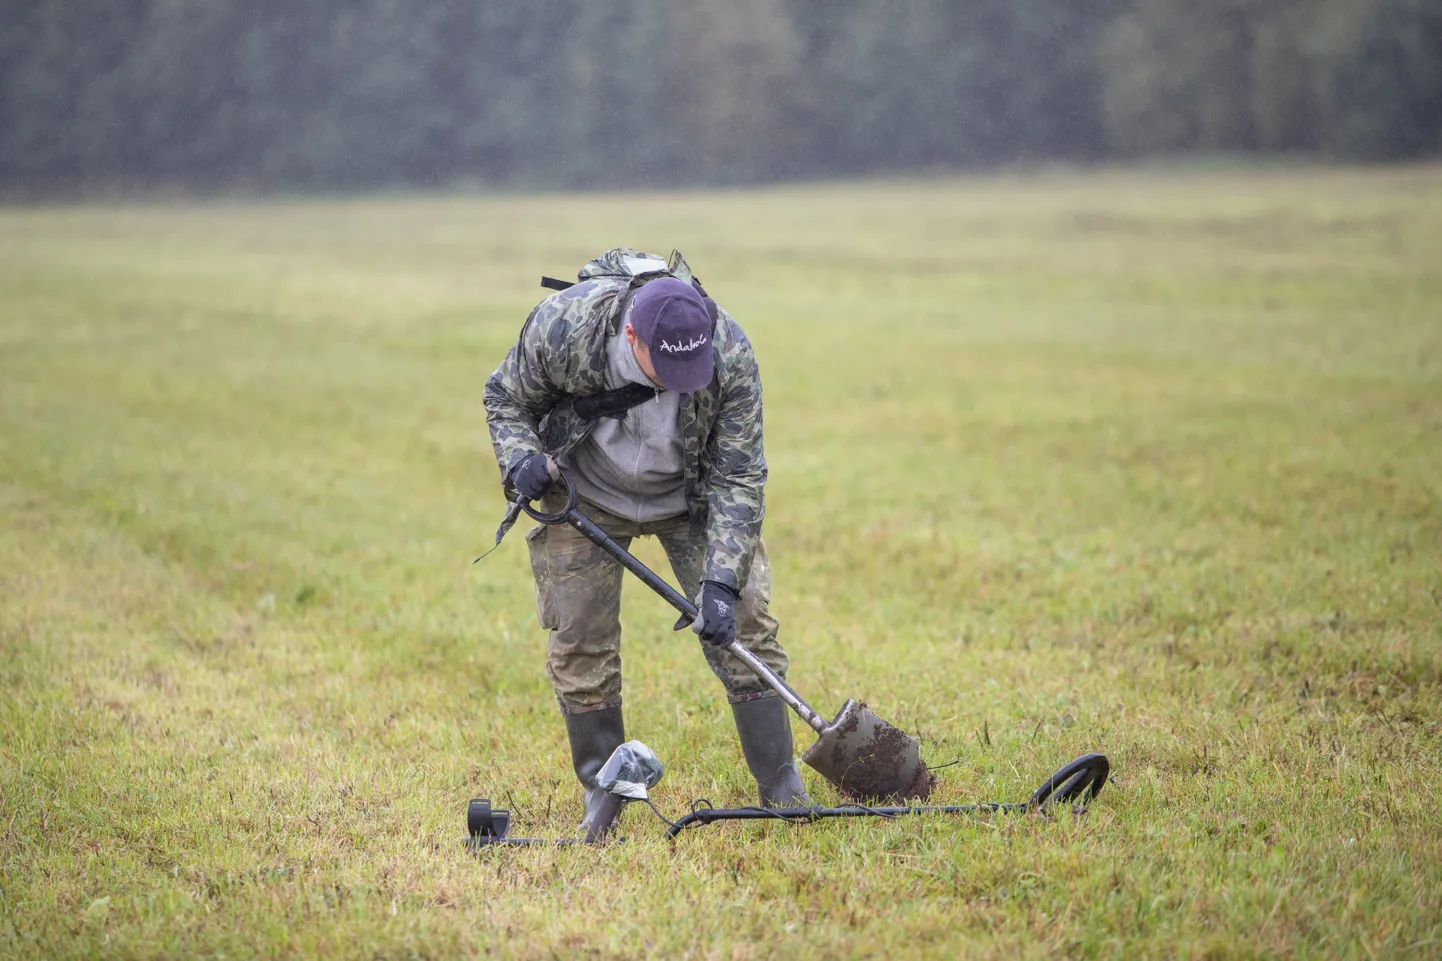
278,94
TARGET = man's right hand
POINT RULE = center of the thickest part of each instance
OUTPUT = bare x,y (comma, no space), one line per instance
533,476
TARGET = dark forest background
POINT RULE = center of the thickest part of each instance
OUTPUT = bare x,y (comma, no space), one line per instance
271,94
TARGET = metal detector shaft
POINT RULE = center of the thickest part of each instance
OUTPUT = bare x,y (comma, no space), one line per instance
676,599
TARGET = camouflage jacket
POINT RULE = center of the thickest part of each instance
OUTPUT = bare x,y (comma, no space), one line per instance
561,355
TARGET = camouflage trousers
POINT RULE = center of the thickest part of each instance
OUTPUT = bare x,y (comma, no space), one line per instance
578,599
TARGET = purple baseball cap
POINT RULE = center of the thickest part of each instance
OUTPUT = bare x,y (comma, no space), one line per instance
671,319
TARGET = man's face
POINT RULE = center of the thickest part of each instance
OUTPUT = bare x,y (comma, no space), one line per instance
643,354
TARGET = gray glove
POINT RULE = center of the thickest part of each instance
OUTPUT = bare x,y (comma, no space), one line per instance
716,613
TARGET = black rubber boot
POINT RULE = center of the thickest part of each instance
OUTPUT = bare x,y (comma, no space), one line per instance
765,731
594,736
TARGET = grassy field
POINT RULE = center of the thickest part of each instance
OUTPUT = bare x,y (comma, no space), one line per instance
1145,463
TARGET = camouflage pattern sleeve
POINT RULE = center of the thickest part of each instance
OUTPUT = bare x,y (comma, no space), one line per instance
527,384
735,464
560,354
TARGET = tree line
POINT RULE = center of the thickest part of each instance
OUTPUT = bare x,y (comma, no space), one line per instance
276,94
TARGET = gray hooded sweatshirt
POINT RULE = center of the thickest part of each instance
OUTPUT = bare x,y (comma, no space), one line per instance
632,466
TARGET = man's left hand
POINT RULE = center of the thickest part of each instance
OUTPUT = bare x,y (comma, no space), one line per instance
716,620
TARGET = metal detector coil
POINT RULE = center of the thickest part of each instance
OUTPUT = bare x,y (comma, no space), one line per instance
1077,782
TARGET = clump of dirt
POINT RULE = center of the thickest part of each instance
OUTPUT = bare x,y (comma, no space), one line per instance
869,759
888,752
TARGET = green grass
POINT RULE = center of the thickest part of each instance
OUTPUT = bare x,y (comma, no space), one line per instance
1146,463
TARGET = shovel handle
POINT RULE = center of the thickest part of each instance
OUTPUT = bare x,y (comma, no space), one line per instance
587,528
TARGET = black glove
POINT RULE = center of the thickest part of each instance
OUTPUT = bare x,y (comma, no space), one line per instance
533,476
716,617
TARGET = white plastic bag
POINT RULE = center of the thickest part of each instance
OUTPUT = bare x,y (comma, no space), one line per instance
629,771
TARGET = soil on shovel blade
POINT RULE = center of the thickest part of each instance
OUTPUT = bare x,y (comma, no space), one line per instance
886,756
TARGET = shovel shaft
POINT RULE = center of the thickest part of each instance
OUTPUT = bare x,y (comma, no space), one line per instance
650,578
676,599
777,684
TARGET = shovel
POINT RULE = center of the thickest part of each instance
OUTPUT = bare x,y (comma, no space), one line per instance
864,756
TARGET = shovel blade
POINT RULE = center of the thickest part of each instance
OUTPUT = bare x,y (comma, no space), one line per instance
869,759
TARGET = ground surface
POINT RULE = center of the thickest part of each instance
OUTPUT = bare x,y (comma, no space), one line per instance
1142,463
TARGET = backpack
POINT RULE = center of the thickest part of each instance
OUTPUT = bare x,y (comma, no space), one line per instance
636,268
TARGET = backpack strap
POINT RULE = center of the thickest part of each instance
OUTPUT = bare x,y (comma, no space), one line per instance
711,309
554,284
613,403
